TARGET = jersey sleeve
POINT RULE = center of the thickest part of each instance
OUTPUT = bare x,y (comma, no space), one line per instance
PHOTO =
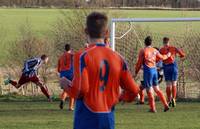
127,83
80,83
140,61
180,52
160,56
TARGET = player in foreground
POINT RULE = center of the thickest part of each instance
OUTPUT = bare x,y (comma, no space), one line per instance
30,74
147,58
65,69
100,74
171,70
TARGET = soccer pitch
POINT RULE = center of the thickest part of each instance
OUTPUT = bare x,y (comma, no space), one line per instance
42,21
44,115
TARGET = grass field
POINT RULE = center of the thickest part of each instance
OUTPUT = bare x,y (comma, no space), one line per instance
42,21
44,115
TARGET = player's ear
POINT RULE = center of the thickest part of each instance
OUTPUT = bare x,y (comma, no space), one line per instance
107,33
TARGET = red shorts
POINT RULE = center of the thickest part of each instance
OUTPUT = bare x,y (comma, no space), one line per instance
25,79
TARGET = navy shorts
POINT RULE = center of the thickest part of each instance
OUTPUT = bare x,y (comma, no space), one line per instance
85,119
67,74
150,77
170,71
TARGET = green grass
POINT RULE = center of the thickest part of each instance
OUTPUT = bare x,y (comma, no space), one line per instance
42,21
44,115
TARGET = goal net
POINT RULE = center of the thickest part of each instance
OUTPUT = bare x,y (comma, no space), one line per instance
127,38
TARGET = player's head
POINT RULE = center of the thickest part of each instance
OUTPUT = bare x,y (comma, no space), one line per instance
148,41
67,47
45,58
97,25
165,40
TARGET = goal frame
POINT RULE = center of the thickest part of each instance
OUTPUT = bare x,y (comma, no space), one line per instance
115,20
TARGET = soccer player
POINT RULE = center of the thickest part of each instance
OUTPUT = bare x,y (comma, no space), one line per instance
100,73
147,58
171,70
65,69
30,74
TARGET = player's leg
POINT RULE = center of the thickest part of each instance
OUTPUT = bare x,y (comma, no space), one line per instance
161,97
151,100
23,79
39,83
141,93
174,93
71,104
169,91
63,97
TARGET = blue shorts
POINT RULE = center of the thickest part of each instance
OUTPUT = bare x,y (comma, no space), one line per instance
170,72
68,74
85,119
150,77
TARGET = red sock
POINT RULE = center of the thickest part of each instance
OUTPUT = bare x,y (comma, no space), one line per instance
141,93
151,101
168,92
162,97
174,92
14,83
45,92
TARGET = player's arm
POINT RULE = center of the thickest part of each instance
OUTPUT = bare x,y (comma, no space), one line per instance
162,57
79,84
180,52
127,83
139,62
59,65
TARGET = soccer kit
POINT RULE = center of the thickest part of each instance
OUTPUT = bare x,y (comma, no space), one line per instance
65,68
148,58
30,74
171,70
99,73
170,66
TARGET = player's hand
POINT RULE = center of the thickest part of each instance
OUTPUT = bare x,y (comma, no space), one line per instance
169,54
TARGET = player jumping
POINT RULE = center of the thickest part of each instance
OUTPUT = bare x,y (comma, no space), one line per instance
147,58
30,74
171,70
65,69
101,72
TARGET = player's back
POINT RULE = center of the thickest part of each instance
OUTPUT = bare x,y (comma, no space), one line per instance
104,68
150,56
65,61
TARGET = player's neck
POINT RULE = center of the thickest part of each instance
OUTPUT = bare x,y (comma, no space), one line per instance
94,41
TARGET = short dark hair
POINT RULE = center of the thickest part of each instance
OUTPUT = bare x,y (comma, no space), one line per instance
96,24
148,41
67,47
165,40
43,57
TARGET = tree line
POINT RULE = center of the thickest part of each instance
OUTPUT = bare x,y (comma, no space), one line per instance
102,3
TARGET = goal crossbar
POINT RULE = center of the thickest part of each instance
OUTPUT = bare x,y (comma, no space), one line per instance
114,20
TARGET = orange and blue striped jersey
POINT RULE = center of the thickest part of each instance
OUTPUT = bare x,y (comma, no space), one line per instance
99,73
174,51
65,62
148,56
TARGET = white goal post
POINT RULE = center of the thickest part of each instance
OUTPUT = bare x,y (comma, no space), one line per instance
115,20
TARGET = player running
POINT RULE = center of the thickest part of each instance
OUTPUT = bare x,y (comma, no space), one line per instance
147,58
100,74
171,70
65,69
30,74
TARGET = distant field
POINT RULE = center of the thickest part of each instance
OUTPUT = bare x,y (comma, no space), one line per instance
42,21
43,115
